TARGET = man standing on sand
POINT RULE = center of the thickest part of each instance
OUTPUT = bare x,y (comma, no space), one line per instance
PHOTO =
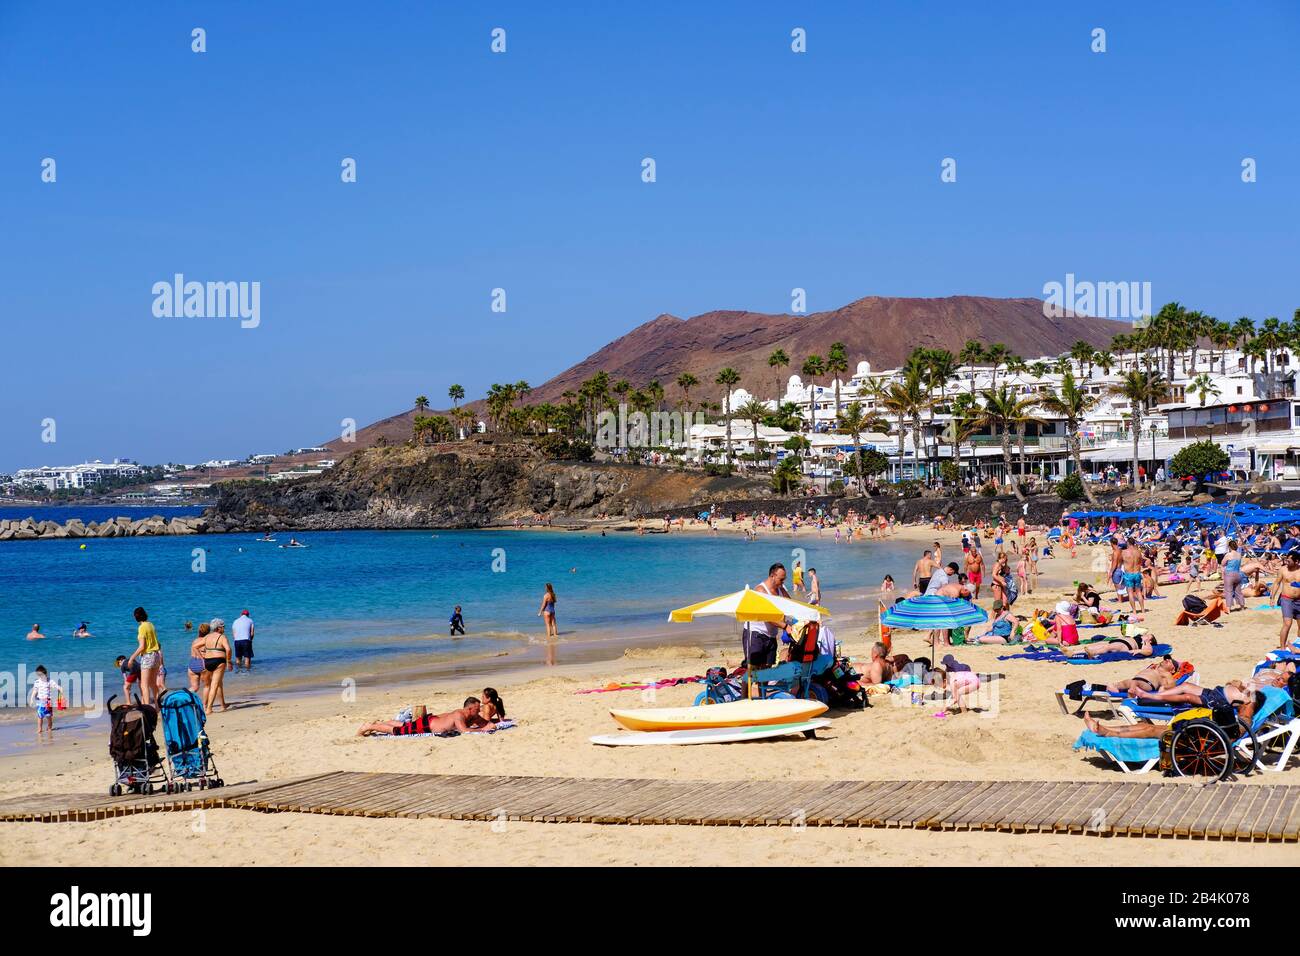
975,570
1132,579
761,638
1286,594
243,634
921,572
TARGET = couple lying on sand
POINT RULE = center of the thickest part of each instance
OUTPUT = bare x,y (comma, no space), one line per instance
474,717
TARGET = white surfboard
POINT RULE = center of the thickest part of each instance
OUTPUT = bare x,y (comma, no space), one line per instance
737,713
708,735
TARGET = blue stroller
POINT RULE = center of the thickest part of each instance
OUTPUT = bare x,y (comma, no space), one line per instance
183,721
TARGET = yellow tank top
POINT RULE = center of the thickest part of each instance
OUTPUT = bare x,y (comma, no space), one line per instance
150,637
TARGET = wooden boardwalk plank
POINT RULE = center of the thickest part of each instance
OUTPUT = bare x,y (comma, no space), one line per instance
1183,810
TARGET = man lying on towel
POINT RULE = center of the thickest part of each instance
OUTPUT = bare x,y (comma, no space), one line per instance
466,720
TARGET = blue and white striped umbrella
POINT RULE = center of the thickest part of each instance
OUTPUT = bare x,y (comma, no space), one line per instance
933,612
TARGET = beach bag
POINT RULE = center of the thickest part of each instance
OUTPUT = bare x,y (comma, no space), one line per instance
721,689
1194,605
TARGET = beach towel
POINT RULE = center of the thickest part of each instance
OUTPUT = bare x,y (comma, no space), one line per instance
1127,749
665,682
1110,657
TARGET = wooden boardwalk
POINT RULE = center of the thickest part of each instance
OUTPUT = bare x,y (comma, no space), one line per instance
1157,809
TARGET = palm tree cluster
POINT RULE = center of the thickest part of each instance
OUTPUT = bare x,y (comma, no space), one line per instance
929,384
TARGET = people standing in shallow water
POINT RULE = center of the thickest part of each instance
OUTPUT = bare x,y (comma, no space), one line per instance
456,623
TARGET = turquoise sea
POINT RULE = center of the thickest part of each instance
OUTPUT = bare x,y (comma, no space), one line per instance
353,599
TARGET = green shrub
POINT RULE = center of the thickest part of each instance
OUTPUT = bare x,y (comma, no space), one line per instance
1070,488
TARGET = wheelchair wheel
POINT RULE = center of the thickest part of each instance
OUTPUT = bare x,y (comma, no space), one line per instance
1246,749
1201,749
702,698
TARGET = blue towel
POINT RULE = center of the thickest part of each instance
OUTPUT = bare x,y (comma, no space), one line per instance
1108,658
1127,749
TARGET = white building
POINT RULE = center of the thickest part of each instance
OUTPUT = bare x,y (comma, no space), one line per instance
86,475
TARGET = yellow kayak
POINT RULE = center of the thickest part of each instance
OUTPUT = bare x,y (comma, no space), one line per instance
737,713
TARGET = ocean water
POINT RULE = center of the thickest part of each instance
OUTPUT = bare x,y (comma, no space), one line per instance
358,597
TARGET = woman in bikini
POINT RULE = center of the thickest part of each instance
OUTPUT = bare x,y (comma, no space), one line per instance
1141,646
198,673
216,658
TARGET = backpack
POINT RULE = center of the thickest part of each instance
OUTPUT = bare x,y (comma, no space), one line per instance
803,642
1194,605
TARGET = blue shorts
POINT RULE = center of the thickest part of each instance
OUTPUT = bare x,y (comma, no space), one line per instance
1132,579
43,710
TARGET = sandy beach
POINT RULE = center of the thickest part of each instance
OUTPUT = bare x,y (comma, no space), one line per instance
1025,737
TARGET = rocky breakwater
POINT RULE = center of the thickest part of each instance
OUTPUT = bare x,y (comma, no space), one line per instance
28,529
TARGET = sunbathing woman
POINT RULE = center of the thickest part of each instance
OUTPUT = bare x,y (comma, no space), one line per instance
1000,629
1245,702
1141,646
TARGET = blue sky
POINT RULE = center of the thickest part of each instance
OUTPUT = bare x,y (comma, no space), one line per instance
522,171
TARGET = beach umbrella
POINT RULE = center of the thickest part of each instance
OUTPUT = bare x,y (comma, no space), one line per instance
933,612
750,605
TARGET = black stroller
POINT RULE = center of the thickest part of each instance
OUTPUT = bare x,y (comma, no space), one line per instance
139,765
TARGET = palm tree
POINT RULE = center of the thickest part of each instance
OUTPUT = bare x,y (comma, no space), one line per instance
621,388
940,366
1083,353
907,399
686,381
1003,409
855,421
1073,404
753,412
656,393
814,367
1104,360
457,394
1143,390
995,355
421,404
1204,386
971,354
778,360
837,363
727,378
1243,331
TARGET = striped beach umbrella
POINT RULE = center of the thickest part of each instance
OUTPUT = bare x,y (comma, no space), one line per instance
750,605
933,613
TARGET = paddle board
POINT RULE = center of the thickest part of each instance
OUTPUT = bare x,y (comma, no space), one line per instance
737,713
709,735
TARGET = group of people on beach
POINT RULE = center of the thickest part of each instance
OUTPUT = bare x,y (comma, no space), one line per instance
212,654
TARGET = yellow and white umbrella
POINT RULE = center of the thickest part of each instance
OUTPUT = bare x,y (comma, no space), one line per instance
750,605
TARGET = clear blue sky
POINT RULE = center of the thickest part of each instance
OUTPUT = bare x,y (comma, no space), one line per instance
522,171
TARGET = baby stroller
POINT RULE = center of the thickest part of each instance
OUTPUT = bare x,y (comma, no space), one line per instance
183,721
134,751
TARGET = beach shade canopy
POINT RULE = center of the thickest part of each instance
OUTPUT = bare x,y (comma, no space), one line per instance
933,612
749,605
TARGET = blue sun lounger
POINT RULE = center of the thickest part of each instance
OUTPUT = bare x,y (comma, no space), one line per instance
1274,720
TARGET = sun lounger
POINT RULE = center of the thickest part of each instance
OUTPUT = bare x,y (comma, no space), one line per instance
1275,721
